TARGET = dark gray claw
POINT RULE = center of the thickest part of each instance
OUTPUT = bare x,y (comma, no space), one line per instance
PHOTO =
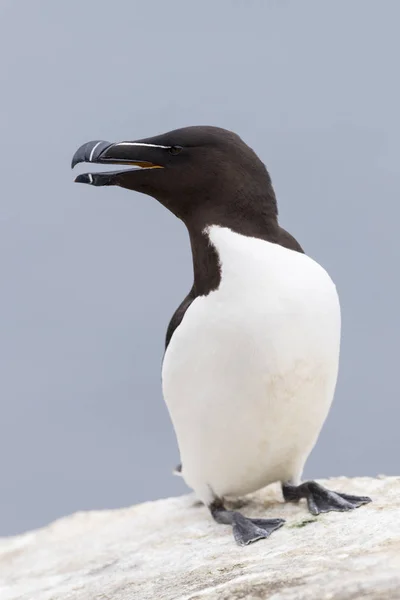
321,500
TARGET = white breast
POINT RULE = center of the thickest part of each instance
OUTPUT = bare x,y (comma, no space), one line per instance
250,373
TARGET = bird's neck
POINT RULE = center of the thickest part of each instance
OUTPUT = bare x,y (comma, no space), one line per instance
206,265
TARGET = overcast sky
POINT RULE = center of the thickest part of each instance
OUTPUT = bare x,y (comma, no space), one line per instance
90,277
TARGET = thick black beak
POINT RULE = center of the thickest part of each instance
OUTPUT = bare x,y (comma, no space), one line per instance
98,179
89,152
124,153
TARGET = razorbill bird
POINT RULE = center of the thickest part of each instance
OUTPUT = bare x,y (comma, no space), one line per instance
252,352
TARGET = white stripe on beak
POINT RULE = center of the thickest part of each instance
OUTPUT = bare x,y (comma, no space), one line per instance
92,152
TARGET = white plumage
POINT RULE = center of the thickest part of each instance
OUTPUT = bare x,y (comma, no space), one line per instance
250,373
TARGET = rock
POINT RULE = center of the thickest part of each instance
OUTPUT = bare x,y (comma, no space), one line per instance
172,550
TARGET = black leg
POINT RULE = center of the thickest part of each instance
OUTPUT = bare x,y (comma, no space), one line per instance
245,530
321,500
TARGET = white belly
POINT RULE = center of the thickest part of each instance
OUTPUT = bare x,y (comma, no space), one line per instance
250,373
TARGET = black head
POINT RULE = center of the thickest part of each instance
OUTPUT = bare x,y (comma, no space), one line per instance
198,173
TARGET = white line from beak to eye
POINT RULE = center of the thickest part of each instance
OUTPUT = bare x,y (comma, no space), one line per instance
92,152
140,144
90,178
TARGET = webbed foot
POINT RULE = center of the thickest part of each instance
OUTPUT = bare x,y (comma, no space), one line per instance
245,530
321,500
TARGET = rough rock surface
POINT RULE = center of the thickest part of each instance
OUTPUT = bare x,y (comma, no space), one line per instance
172,550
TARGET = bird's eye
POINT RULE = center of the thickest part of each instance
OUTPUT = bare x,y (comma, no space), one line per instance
175,150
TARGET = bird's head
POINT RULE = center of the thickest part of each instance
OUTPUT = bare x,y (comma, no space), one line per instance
192,171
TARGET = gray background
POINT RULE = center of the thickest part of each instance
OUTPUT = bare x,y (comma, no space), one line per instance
90,277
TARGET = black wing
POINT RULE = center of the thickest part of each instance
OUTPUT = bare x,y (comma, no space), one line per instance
288,241
178,316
